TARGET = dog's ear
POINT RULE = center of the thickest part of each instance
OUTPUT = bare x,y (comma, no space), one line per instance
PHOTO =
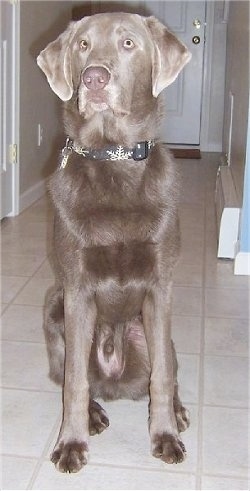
170,55
55,62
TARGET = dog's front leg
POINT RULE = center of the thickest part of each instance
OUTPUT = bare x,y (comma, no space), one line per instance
70,452
165,442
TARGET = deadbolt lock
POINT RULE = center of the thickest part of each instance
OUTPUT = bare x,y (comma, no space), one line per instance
197,23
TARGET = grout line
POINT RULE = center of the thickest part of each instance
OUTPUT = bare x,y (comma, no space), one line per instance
24,285
185,401
43,456
18,456
226,476
31,390
21,289
24,341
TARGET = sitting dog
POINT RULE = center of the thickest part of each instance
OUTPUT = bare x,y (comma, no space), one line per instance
108,319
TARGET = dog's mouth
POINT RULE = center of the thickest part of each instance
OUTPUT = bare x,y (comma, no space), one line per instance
98,100
91,101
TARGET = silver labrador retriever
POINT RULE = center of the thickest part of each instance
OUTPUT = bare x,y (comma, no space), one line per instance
107,321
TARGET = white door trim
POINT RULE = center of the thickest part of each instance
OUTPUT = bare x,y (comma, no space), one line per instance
16,106
207,76
206,117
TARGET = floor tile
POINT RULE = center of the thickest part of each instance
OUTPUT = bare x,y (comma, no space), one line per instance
3,307
34,292
192,246
41,211
187,301
25,228
45,270
188,274
220,274
23,323
188,377
192,217
226,381
20,265
16,472
225,446
226,336
109,477
186,333
25,245
10,286
25,366
225,302
210,482
191,192
28,419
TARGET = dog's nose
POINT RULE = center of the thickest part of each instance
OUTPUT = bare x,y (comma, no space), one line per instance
95,77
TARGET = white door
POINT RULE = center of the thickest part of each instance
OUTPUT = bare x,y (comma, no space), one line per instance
183,97
7,118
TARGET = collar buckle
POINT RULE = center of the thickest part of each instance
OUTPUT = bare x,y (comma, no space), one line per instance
140,151
66,151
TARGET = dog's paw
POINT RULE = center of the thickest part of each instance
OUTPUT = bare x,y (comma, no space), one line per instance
182,418
98,419
168,448
70,456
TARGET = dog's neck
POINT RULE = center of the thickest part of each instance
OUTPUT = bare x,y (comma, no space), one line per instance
103,128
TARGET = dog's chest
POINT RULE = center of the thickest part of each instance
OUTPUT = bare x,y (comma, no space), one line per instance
121,263
105,208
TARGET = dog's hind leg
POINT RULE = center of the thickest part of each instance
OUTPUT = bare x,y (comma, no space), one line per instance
54,333
181,413
98,419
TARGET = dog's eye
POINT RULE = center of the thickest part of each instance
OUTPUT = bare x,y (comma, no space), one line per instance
83,44
128,44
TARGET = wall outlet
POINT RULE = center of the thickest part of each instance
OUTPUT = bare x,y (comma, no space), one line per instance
39,135
230,129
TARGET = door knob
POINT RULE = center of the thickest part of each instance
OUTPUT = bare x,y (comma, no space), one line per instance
196,39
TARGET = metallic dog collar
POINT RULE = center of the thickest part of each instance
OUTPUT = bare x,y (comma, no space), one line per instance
112,152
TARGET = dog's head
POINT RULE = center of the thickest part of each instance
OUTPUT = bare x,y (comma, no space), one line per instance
106,59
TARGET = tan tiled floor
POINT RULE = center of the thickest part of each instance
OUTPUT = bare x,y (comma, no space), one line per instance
210,329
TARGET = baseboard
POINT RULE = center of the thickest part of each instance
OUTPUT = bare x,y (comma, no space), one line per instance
228,213
32,194
242,263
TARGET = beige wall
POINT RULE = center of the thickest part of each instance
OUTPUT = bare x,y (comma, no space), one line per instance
237,82
40,23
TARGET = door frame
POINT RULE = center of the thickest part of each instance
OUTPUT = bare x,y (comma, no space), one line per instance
15,106
206,145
